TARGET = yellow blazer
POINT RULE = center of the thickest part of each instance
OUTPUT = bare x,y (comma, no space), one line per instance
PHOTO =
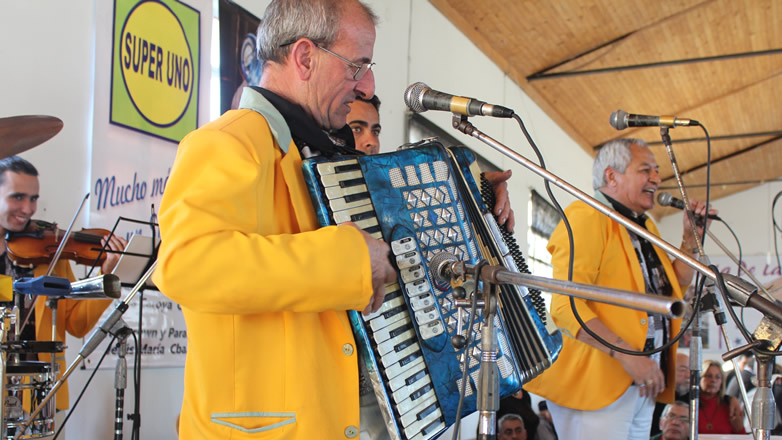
584,377
264,292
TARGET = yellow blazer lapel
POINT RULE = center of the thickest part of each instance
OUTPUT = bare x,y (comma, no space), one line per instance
297,188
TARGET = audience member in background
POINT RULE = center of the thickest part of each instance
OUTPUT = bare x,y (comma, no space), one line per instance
511,427
520,404
364,120
682,377
746,364
675,422
546,429
682,389
718,413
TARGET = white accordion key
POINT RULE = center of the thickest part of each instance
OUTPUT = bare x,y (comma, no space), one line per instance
427,426
403,245
335,192
431,329
412,374
389,332
392,304
423,394
398,343
385,319
395,356
342,204
408,259
421,301
331,167
409,361
412,273
393,295
334,179
412,381
417,287
354,214
431,430
426,315
423,409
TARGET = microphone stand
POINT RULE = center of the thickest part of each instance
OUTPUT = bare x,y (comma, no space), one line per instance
462,124
717,308
488,399
108,326
121,380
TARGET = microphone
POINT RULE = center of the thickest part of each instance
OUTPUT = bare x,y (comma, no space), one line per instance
420,98
746,294
441,266
666,199
621,119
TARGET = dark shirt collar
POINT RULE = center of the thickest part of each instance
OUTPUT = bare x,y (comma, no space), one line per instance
640,219
306,133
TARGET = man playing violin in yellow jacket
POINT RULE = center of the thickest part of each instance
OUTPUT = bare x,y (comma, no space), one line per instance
18,202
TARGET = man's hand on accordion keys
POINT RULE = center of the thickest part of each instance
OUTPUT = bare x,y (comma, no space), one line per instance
502,209
382,271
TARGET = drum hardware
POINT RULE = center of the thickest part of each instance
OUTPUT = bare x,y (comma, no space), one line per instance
24,383
112,324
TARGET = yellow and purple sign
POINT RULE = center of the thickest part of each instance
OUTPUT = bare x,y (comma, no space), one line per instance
155,67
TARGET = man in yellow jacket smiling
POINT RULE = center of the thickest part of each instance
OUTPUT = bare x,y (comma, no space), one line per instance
592,391
264,291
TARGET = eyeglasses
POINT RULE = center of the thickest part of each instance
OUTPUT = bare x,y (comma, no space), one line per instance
360,69
681,419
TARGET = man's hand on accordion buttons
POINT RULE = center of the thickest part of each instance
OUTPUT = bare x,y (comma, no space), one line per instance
382,271
502,209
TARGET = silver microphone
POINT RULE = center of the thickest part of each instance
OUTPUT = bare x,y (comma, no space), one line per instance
621,119
420,98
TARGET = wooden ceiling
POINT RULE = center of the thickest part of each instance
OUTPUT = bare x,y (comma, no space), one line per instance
730,78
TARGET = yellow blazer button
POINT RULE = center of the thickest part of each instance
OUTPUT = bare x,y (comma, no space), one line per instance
351,431
347,349
643,322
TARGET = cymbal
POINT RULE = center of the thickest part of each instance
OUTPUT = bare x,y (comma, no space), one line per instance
20,133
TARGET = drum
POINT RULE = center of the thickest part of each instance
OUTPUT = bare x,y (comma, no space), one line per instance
26,385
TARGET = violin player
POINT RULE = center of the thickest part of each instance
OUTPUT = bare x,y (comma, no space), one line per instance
18,203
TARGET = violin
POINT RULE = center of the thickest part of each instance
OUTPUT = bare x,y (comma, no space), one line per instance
39,240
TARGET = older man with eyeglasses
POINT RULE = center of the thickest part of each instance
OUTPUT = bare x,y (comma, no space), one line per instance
675,422
265,291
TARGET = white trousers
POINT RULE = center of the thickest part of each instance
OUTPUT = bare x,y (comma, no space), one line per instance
629,417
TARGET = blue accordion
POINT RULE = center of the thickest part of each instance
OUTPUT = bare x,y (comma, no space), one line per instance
423,201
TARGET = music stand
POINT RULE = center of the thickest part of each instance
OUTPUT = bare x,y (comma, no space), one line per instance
138,256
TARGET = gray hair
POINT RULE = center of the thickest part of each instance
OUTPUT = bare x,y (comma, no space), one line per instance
670,406
615,154
285,21
507,417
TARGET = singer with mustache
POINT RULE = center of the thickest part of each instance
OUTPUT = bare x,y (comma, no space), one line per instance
594,391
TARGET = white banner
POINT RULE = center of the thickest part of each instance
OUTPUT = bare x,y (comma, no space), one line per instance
163,341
